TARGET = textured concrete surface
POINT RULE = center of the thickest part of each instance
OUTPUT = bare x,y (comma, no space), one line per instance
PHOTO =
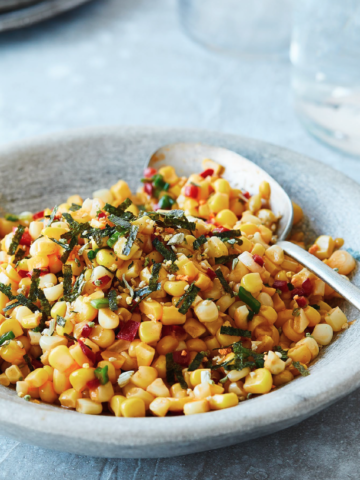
128,62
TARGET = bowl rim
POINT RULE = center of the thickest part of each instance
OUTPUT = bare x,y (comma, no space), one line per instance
249,419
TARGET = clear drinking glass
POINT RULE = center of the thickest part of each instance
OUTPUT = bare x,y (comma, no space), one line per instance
325,53
248,27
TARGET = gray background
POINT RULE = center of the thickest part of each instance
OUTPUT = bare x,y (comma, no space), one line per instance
129,62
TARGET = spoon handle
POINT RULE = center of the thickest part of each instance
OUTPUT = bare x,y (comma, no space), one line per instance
323,271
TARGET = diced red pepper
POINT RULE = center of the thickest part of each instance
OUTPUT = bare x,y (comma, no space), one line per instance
36,363
22,273
38,215
86,351
180,358
128,330
102,281
221,229
149,188
92,384
246,195
26,238
169,329
281,285
302,302
191,191
98,357
43,271
101,215
210,273
307,286
259,260
149,172
207,173
86,331
297,291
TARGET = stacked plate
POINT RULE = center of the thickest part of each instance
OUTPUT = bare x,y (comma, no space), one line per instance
21,13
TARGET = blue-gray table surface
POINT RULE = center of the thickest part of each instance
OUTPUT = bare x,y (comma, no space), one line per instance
128,62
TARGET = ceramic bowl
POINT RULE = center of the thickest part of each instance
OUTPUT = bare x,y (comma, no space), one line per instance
45,171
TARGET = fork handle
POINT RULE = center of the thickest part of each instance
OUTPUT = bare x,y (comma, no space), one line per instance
323,271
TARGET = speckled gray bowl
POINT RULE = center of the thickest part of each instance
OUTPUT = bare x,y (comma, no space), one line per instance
47,170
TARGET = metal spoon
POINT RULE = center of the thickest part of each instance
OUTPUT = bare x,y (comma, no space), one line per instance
187,158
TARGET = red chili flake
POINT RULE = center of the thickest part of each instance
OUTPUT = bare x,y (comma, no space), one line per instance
86,351
92,384
101,215
36,363
259,260
100,282
191,191
307,286
43,271
181,359
86,331
149,172
221,229
281,285
38,215
246,195
210,273
128,330
297,291
301,301
149,188
207,173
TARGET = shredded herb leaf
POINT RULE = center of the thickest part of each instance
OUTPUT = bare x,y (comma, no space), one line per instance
188,298
74,207
154,276
118,211
28,362
223,282
52,216
195,364
130,239
244,357
227,234
173,370
112,296
236,332
35,281
19,255
301,369
16,239
67,284
225,259
166,253
60,321
7,336
199,241
284,355
119,222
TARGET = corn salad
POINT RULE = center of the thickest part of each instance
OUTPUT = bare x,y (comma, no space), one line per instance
175,300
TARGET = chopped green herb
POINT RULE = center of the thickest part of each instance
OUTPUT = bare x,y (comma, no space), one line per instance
119,222
112,296
118,211
6,337
52,216
236,332
77,288
290,286
154,276
173,370
16,239
19,255
28,362
223,282
102,374
227,234
35,281
147,261
60,321
130,239
284,355
74,207
188,298
166,253
92,254
195,364
243,357
199,241
130,265
234,263
296,312
225,259
317,307
301,369
67,272
247,298
11,218
72,338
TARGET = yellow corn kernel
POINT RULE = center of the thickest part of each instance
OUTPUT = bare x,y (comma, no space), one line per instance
158,388
176,391
6,382
206,311
254,203
226,339
160,406
69,397
227,400
22,388
14,374
258,381
78,356
12,353
151,309
342,260
31,321
108,319
37,378
273,363
133,345
176,289
102,337
119,246
47,392
213,327
105,258
102,393
203,282
150,332
194,328
160,365
199,406
87,406
195,376
85,311
60,358
252,282
11,325
326,246
172,316
178,404
282,378
336,319
81,377
116,359
300,353
115,404
144,354
167,344
58,309
121,190
219,201
43,246
322,333
290,332
226,218
196,345
240,317
269,313
298,213
133,407
50,371
265,190
144,377
130,363
169,174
